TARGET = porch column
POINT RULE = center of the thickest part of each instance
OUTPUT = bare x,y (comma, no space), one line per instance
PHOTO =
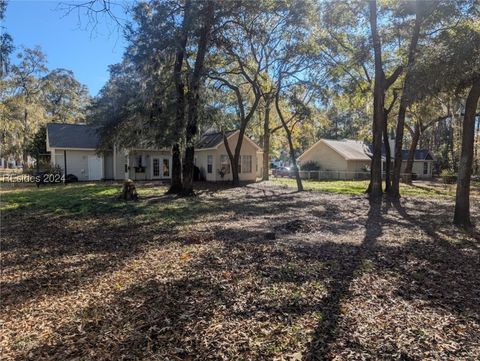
127,162
65,166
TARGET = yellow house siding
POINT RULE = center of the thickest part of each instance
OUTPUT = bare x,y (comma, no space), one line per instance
247,149
418,168
357,165
202,163
326,157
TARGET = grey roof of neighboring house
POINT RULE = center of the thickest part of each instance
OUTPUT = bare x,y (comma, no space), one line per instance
349,149
211,140
420,154
72,136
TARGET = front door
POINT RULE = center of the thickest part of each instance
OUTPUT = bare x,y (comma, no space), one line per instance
161,167
165,167
155,167
95,167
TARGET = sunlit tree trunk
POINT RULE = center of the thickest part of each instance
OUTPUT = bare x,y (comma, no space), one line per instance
25,139
404,102
462,199
266,140
375,186
411,153
291,147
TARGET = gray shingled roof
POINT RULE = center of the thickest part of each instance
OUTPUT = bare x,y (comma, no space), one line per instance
72,136
349,149
420,154
211,140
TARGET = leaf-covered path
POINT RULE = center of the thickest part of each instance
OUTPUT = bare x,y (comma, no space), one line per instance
247,273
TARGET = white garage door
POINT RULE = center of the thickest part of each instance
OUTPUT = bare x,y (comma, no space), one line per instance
95,167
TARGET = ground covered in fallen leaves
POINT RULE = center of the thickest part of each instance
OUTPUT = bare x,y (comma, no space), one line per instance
251,273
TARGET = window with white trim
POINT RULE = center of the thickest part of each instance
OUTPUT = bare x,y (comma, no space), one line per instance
156,167
209,163
247,163
224,164
425,167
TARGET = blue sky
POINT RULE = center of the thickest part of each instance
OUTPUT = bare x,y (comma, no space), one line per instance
67,40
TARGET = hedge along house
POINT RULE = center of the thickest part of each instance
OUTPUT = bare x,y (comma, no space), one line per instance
214,164
73,148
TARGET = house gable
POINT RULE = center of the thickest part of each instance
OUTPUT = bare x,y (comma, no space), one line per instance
215,140
326,156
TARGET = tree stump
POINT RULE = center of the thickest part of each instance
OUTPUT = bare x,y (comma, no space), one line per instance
129,192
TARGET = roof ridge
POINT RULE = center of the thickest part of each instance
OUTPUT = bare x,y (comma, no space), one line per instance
78,124
219,132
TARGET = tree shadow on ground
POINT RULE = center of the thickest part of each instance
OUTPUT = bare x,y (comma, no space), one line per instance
58,258
235,297
442,268
64,253
338,289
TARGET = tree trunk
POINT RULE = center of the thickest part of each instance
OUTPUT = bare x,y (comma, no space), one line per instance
476,155
404,102
176,185
231,157
388,155
236,155
294,161
25,139
266,140
289,138
411,153
193,96
375,186
462,199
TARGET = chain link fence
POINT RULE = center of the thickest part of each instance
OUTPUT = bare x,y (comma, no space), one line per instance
343,175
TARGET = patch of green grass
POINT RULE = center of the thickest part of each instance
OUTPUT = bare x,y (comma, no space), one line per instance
60,199
96,199
359,187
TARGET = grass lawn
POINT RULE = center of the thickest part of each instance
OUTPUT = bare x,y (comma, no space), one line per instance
255,272
419,188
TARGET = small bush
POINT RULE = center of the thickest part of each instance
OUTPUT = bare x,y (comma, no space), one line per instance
310,166
448,177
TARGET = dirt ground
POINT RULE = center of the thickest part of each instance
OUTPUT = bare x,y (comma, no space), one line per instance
250,273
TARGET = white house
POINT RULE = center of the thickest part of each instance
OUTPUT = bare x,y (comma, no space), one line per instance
73,148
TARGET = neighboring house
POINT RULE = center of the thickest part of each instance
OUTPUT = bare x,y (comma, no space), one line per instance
345,156
422,163
212,159
12,162
348,159
73,147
